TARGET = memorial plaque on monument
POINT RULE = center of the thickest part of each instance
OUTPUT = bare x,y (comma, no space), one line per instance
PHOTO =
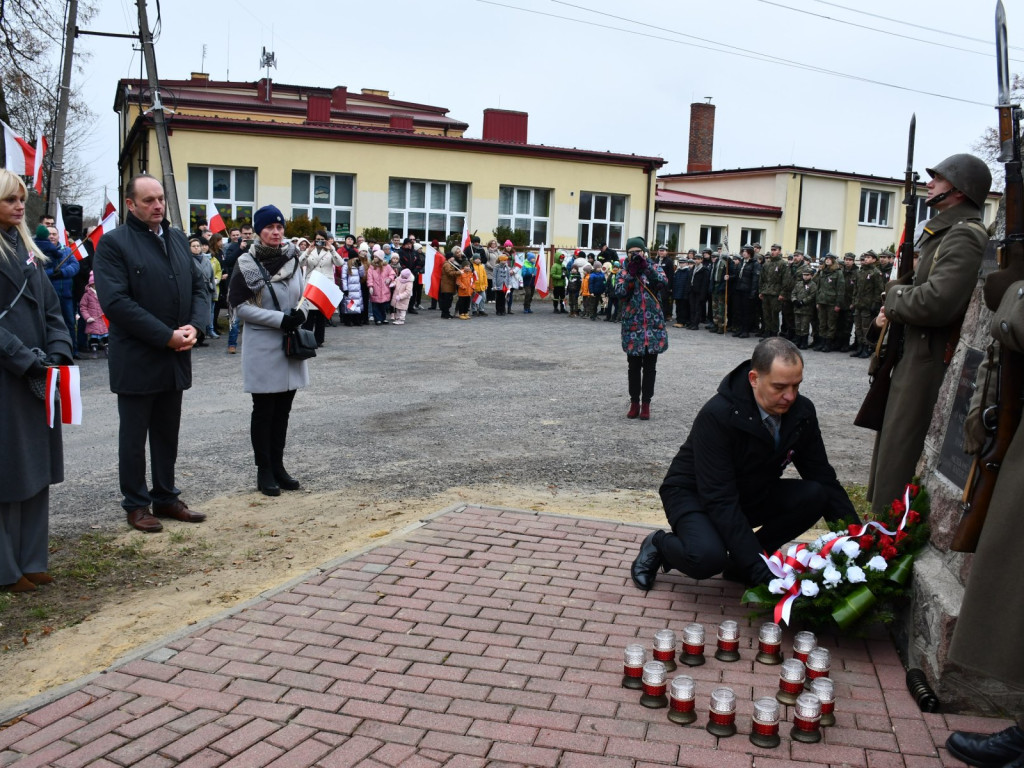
953,462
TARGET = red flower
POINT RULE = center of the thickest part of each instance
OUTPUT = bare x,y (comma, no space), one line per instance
913,517
889,552
884,541
852,529
866,541
914,489
898,508
900,536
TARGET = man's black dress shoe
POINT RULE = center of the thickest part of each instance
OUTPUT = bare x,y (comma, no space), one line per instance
646,565
987,750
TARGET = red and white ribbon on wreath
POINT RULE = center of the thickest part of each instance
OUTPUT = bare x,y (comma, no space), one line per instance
66,379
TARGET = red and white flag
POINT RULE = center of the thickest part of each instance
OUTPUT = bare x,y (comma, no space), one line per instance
21,158
542,274
78,250
467,243
37,162
67,380
58,221
108,209
109,224
213,218
322,293
432,271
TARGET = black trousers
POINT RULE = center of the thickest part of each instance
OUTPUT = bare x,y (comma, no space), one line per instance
698,304
641,375
445,303
315,322
155,418
268,427
499,302
694,547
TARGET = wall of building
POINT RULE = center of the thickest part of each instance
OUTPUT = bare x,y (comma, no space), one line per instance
692,221
373,165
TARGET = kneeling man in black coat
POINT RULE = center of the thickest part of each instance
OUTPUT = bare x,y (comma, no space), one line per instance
727,477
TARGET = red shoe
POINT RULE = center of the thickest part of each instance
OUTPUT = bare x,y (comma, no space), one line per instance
634,410
645,411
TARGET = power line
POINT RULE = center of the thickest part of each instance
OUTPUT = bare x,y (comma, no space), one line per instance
879,31
912,24
723,48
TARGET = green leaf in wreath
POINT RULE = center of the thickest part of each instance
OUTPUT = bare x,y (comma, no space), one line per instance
759,595
853,606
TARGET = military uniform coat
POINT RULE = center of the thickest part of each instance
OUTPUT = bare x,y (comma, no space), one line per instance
931,310
34,456
149,286
987,635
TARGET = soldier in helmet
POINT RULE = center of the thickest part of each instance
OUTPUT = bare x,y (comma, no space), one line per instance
931,307
867,300
830,304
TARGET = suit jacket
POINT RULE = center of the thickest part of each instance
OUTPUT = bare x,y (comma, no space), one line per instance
149,286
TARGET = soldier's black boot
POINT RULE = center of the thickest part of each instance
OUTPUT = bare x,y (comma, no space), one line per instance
865,351
856,348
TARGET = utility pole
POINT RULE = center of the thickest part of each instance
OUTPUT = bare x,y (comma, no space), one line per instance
61,123
159,119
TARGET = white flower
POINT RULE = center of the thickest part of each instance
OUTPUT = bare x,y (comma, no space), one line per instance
808,588
779,586
829,536
851,549
817,562
855,575
877,563
831,576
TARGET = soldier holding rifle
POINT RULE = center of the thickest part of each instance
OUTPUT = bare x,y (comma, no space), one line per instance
986,639
930,304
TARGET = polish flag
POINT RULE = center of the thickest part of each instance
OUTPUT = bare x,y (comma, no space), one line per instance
58,222
542,274
322,293
432,271
467,243
108,209
21,158
213,218
109,224
78,249
37,164
70,395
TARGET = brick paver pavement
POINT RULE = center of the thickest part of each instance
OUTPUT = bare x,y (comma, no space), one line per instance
486,637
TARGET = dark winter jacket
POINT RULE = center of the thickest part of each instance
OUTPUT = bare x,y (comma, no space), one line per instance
700,279
729,461
681,283
61,267
149,286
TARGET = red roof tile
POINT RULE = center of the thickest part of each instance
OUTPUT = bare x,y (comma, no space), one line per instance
670,199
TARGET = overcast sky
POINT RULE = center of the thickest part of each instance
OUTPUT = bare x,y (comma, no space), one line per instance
608,75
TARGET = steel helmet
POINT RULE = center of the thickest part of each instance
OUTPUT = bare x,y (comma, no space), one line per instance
967,173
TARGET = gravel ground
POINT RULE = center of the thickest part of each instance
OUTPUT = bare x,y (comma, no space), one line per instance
534,400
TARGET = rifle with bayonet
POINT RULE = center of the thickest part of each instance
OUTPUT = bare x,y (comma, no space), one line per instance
1006,367
872,410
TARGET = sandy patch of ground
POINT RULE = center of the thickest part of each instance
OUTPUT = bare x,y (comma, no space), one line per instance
252,543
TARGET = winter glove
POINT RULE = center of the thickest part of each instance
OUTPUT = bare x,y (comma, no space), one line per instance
58,358
36,371
637,266
292,320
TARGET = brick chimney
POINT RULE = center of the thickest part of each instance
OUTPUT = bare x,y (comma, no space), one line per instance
505,125
264,89
318,108
339,98
702,137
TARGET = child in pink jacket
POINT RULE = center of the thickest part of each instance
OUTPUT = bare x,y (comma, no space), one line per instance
95,323
401,295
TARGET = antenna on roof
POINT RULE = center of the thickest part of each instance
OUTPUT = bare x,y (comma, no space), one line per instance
202,65
707,99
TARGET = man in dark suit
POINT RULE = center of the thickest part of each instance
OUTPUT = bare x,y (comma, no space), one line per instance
155,300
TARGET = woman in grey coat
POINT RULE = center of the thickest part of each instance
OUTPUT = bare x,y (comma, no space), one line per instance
32,336
270,269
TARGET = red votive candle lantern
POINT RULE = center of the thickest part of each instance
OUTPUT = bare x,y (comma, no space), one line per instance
791,681
693,645
819,664
633,666
654,686
722,715
728,641
765,728
680,700
803,643
807,719
825,690
665,648
769,643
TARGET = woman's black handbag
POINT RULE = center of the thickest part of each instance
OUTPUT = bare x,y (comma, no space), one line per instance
300,343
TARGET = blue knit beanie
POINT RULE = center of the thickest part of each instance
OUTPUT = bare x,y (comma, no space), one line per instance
266,216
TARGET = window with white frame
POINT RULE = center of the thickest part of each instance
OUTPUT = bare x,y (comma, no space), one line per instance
814,243
874,207
602,220
233,190
710,236
924,211
427,210
750,236
669,235
326,197
526,209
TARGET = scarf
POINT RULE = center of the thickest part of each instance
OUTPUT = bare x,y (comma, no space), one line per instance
247,280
